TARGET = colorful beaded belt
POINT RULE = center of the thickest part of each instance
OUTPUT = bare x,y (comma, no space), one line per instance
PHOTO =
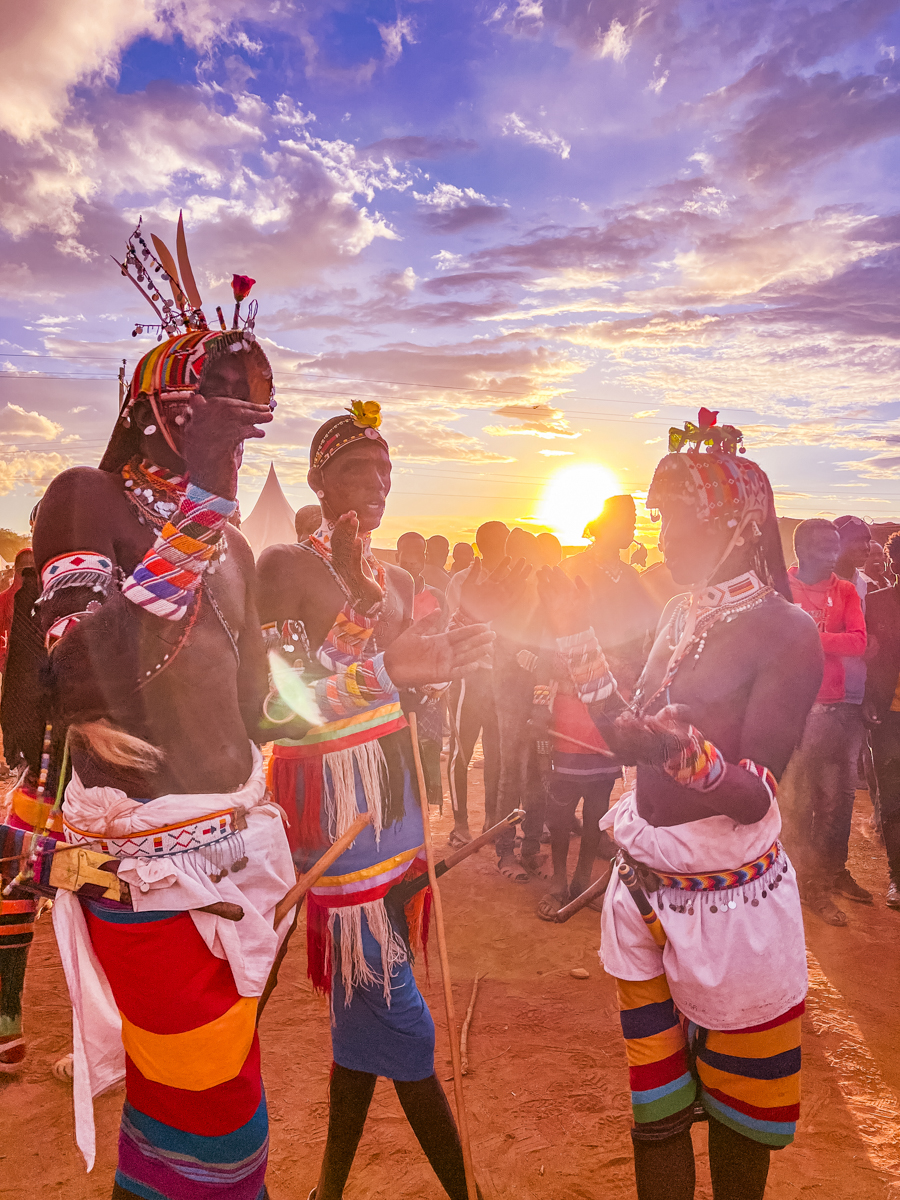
720,881
168,841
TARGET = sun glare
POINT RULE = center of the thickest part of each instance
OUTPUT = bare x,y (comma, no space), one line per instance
575,496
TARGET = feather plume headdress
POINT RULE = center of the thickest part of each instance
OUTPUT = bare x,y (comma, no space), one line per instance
170,373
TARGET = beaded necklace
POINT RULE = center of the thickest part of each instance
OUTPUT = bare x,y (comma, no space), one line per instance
719,602
152,491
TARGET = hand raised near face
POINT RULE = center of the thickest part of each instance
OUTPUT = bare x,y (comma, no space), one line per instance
215,429
485,596
347,559
566,602
423,655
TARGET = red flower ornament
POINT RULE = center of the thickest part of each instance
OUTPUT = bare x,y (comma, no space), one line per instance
241,285
706,417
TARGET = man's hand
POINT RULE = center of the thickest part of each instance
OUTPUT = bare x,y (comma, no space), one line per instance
214,434
566,602
651,740
483,596
347,559
422,655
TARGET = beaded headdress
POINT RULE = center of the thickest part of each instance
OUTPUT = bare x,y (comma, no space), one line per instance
170,373
360,423
725,490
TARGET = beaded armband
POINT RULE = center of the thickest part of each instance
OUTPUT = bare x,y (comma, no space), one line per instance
697,765
166,578
763,773
359,679
587,667
84,569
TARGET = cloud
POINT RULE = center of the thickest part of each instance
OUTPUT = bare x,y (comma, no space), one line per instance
512,125
450,209
417,146
536,420
393,37
15,422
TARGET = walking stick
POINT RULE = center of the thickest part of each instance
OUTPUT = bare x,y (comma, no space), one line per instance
296,894
471,1189
644,907
321,865
583,899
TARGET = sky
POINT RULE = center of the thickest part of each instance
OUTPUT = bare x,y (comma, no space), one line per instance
539,232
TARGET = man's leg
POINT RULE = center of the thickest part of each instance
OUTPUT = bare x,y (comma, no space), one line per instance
350,1095
13,960
886,756
596,794
512,695
463,735
428,1112
490,745
662,1090
841,817
739,1167
561,804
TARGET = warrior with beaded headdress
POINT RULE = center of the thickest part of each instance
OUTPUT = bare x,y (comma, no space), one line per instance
157,672
702,926
341,620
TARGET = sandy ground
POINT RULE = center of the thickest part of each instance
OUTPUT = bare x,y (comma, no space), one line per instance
547,1090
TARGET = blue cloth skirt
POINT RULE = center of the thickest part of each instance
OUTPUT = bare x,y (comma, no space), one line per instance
367,1035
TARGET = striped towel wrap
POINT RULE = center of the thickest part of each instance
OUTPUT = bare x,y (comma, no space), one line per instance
747,1079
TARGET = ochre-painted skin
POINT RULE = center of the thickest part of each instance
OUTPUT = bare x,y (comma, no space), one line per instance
201,709
749,692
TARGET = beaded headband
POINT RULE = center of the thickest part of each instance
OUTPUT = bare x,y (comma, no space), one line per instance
360,424
723,488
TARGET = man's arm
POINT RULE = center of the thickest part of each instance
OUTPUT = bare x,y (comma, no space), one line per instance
851,643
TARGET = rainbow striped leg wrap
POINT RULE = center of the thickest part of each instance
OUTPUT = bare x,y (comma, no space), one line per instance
166,578
747,1079
698,765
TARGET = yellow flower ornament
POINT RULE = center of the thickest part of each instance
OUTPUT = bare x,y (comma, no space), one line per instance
365,413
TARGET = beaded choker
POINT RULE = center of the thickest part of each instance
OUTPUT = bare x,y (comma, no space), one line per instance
718,602
153,492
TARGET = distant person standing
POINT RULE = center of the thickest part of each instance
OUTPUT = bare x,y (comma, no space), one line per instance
875,570
882,710
436,550
549,549
430,710
463,557
473,712
817,788
623,612
307,520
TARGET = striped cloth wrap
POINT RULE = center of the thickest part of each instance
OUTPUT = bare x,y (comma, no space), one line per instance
352,765
747,1079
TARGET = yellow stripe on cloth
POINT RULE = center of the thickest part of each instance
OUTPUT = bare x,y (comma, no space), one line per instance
200,1058
34,812
762,1044
763,1093
656,1047
367,872
635,993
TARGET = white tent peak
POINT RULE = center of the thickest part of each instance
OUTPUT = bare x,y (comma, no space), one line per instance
272,518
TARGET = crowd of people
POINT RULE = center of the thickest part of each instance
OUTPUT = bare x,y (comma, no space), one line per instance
190,729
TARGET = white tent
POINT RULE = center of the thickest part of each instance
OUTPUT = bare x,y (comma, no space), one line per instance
272,519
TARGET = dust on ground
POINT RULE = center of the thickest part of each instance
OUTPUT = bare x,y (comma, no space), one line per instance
547,1092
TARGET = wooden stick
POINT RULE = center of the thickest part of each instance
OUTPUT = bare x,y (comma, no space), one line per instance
464,1037
332,854
597,888
471,1190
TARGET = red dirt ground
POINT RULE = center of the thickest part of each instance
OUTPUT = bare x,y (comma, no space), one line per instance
547,1090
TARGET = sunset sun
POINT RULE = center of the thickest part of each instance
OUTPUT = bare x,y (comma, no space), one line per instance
573,497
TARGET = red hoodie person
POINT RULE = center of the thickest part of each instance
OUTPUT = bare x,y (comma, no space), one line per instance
834,605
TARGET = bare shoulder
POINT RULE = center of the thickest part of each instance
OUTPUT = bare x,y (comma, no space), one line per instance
787,627
78,512
399,579
280,559
239,548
